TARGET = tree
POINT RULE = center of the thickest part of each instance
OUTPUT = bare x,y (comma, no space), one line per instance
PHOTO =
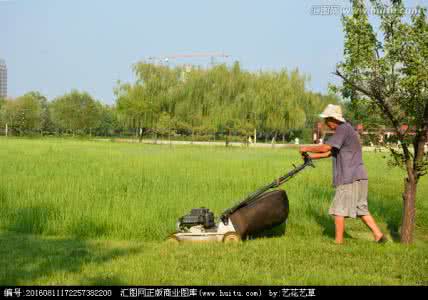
46,121
391,73
219,99
76,111
155,91
165,125
108,121
24,114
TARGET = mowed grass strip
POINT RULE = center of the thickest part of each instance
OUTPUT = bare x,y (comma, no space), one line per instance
288,260
97,213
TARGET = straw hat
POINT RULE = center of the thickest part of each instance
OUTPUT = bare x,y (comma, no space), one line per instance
333,111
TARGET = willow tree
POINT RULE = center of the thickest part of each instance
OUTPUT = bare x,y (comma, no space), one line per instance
132,107
391,72
141,104
221,99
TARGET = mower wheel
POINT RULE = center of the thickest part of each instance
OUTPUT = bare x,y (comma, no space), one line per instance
231,237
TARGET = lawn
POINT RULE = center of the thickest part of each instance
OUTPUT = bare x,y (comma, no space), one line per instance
97,212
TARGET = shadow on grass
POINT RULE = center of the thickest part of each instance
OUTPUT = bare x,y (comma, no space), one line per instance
30,219
25,259
103,281
276,231
35,220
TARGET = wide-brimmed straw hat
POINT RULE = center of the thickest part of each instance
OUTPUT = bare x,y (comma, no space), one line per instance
333,111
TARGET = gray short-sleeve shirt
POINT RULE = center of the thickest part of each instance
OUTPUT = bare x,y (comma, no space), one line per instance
347,156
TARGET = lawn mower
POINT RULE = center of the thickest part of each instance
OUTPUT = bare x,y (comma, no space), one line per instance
259,211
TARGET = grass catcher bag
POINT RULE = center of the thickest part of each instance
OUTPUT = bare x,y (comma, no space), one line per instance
268,210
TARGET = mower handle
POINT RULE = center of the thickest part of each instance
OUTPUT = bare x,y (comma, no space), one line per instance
307,159
276,183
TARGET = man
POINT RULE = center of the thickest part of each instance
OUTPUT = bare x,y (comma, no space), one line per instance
349,174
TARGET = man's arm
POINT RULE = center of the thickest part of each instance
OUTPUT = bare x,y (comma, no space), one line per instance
322,148
320,155
318,151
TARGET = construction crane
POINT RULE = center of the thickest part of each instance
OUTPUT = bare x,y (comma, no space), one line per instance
166,59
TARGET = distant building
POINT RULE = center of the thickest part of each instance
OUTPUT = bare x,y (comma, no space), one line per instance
3,79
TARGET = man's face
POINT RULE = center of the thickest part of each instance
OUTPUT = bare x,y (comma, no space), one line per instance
331,123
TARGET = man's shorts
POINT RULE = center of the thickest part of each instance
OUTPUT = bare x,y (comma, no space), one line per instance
350,200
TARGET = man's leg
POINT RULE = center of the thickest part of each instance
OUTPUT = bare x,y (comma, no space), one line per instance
361,188
370,222
340,228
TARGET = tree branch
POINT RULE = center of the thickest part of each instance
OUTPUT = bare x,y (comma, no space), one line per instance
355,86
387,111
380,101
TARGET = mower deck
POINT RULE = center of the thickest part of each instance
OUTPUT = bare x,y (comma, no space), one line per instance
220,233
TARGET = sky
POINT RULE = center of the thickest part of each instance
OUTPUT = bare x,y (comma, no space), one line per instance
54,46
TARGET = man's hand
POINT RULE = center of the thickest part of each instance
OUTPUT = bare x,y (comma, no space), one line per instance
303,152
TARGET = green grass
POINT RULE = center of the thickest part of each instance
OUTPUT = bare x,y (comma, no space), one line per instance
82,212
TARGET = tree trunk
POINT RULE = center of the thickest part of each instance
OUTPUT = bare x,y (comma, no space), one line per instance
255,136
192,136
414,168
140,135
409,209
274,140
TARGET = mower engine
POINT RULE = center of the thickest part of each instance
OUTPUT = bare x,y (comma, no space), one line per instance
198,216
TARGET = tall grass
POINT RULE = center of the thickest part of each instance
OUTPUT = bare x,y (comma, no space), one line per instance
94,213
125,191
